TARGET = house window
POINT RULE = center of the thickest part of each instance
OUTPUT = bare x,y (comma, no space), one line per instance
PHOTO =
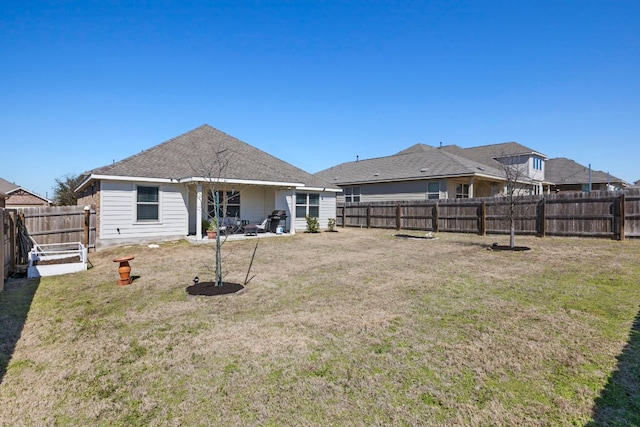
433,190
537,163
462,191
228,206
352,194
147,204
307,204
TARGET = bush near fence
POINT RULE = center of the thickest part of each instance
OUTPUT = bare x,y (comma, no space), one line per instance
609,214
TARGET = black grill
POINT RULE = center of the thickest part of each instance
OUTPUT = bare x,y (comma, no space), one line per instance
275,218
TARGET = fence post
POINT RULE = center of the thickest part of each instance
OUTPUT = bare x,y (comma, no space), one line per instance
87,221
542,217
435,219
344,215
398,216
368,215
621,207
482,224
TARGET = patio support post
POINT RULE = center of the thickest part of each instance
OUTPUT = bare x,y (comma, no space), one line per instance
199,212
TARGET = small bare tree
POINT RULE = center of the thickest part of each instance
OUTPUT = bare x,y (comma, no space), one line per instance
211,166
517,186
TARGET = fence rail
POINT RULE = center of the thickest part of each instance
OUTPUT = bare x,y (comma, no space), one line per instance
609,214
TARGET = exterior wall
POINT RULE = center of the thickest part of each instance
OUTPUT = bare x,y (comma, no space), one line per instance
417,190
257,203
23,199
392,191
536,175
118,213
327,210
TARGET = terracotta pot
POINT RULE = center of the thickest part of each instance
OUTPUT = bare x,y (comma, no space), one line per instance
124,270
211,234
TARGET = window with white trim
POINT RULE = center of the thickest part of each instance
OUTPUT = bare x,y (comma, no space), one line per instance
462,191
228,206
307,204
352,194
433,190
147,204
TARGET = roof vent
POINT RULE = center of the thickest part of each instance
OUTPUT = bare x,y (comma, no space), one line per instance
376,174
423,170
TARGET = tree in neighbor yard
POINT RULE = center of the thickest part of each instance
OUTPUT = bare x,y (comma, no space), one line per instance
64,191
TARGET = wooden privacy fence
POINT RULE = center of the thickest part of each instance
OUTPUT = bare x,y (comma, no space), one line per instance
60,224
7,243
610,214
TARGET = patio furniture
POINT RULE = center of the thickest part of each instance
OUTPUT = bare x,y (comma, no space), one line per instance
263,226
251,230
230,225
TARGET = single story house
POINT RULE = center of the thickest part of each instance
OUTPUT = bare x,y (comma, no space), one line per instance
166,191
18,197
567,175
424,172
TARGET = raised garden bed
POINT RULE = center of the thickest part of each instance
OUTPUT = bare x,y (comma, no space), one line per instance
56,258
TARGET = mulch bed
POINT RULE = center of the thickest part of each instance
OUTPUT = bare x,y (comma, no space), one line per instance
496,247
410,236
210,289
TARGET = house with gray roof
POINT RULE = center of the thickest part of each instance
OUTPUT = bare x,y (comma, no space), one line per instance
567,175
18,197
166,191
424,172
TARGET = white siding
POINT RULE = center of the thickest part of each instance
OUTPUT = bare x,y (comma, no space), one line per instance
256,203
118,212
327,210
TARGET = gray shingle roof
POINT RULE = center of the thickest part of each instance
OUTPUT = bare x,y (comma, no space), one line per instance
7,187
417,162
566,171
209,153
486,154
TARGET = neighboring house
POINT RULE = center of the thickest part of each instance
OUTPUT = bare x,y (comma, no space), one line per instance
566,175
18,197
423,172
163,192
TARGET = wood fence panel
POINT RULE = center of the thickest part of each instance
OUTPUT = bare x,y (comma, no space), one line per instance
59,224
460,215
8,242
382,215
632,214
612,214
525,213
581,214
417,215
355,215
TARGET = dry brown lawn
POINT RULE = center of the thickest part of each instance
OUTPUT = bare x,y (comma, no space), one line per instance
356,327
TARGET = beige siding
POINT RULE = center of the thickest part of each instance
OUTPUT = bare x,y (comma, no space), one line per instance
392,191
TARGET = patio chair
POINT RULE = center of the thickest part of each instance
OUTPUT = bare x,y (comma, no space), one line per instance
229,225
263,226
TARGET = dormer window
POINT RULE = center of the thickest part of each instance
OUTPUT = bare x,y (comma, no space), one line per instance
537,163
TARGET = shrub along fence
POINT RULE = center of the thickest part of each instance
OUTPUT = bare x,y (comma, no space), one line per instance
608,214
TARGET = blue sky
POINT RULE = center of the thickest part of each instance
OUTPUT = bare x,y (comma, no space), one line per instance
316,83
